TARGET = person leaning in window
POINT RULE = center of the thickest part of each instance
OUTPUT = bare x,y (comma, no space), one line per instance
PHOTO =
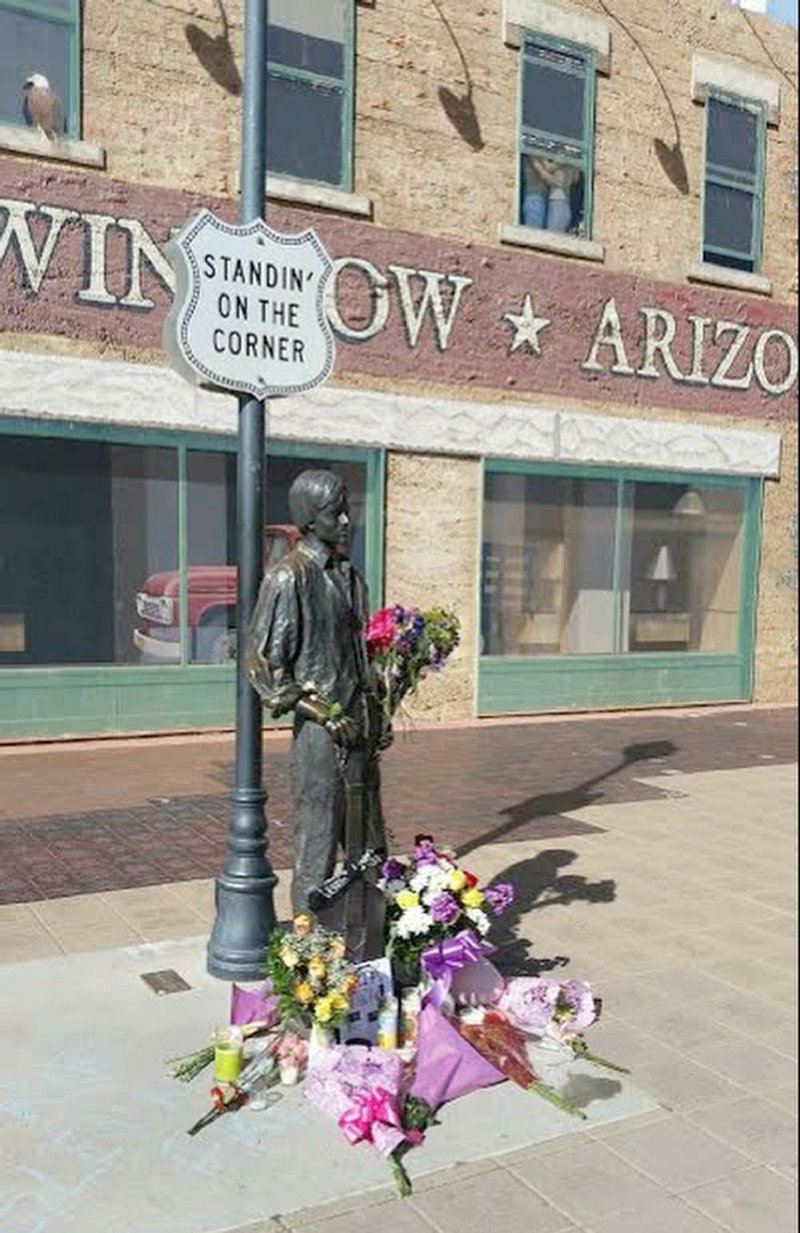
546,198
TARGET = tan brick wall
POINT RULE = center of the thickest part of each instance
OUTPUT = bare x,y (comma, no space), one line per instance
432,539
164,120
776,619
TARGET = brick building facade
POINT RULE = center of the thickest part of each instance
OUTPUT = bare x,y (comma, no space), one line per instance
565,308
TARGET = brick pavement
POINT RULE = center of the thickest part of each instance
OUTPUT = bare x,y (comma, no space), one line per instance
161,807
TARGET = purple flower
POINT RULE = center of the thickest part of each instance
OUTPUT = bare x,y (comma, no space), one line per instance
425,850
499,897
393,870
445,909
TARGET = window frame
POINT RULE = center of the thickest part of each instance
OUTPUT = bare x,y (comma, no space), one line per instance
524,684
589,57
717,174
71,18
346,85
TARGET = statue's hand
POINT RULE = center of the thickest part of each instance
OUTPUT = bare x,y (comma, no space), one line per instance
386,734
342,729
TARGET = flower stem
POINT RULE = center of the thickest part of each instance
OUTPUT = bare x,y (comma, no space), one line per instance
402,1181
554,1098
582,1051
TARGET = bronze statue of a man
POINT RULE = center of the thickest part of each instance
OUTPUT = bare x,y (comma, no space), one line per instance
307,654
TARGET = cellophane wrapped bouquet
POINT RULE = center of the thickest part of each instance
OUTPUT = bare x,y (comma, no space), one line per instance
310,975
405,644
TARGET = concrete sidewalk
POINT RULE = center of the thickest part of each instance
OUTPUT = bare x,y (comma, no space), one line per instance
678,902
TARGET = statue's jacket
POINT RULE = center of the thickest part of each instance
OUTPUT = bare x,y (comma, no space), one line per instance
309,630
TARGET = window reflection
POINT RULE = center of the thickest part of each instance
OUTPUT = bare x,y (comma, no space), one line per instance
548,565
683,565
83,525
211,539
575,566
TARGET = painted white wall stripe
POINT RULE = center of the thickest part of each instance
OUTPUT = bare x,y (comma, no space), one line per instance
148,396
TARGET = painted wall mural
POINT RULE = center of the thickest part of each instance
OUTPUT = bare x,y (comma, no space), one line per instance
81,256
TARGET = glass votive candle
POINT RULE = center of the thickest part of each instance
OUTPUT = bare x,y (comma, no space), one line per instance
228,1047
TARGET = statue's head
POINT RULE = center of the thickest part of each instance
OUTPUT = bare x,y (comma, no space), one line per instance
318,504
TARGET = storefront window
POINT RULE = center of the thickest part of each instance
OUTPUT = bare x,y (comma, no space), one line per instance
211,538
82,525
548,565
683,567
575,566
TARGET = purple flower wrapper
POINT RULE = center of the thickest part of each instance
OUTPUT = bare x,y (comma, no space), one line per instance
256,1006
447,1066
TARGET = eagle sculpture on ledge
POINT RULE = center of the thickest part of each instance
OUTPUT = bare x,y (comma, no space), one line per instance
41,107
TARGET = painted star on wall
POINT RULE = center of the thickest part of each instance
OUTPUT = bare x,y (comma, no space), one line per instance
527,327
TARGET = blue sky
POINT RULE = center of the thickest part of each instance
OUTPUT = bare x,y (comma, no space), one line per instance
783,10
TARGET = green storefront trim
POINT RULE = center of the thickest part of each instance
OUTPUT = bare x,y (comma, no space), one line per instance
509,685
54,701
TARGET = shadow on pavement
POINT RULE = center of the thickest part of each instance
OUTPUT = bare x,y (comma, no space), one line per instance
538,884
546,804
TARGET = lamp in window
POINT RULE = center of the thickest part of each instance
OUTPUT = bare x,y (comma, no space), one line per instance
661,571
689,502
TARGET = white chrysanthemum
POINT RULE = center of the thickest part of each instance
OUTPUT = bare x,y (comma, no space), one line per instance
413,921
429,880
479,919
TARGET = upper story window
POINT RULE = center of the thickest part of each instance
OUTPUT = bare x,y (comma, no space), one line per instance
734,182
40,65
556,136
310,90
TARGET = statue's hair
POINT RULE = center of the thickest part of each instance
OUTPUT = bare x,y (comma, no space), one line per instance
310,493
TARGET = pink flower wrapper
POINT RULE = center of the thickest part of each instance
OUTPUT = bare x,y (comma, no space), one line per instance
359,1088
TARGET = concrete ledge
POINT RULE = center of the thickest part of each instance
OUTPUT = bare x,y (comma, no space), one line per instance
722,276
32,141
561,21
551,242
735,77
279,188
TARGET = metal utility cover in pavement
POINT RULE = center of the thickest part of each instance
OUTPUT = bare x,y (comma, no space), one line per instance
165,982
249,307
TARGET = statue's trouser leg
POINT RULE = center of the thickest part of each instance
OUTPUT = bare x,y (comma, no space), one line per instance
365,830
318,810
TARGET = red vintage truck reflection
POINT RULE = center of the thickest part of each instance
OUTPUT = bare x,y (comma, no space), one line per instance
211,607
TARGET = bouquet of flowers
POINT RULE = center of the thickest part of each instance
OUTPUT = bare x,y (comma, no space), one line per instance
405,644
558,1010
310,975
431,899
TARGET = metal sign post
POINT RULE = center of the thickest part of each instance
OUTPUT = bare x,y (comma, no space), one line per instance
248,315
245,910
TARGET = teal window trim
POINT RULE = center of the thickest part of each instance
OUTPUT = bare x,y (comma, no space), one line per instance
71,17
519,466
752,489
750,569
528,136
724,177
344,85
183,554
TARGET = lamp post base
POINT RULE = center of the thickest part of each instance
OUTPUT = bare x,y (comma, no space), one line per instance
245,920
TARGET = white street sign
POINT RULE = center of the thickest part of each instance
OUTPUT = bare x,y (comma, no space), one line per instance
248,312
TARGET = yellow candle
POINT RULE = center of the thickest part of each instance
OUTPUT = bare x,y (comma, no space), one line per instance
227,1056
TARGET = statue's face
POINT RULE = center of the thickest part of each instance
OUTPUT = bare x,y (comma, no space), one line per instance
332,523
